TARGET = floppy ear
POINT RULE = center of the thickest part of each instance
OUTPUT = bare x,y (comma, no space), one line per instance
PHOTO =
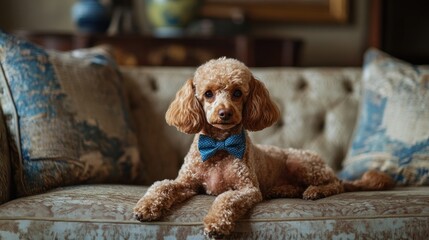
185,112
259,110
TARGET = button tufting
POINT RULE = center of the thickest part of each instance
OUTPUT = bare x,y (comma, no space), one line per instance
321,125
348,86
153,84
280,123
302,85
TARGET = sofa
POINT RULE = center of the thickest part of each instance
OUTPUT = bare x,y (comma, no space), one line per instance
320,108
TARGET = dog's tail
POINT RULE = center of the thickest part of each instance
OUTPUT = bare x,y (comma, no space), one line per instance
370,181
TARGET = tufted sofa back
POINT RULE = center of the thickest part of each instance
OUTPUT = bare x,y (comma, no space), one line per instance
318,111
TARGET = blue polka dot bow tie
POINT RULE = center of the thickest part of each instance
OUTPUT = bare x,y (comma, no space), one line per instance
234,145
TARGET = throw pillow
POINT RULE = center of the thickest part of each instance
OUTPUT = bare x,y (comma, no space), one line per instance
392,134
67,117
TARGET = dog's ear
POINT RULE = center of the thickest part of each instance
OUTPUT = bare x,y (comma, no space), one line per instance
185,112
259,110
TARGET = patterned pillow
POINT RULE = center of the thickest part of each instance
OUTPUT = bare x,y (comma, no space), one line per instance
392,133
67,117
4,161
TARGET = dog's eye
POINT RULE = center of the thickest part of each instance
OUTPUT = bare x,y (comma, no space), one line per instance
208,94
237,93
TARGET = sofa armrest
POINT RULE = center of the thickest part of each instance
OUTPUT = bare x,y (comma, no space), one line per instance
5,173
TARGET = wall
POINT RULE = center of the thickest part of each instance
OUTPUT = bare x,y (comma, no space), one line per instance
329,45
41,15
324,45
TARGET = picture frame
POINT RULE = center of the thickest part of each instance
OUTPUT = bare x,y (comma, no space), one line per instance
296,11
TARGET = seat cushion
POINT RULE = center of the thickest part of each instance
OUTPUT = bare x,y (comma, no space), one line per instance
105,211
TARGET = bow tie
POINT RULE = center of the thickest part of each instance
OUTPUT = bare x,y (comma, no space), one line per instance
234,145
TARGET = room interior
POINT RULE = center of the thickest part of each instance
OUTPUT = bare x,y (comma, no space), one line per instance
325,33
83,137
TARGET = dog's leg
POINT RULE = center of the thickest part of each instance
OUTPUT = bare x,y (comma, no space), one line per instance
321,182
160,197
320,191
227,208
311,171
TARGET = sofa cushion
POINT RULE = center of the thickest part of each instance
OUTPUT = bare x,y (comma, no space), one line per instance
392,134
5,176
150,91
318,109
318,112
67,117
105,211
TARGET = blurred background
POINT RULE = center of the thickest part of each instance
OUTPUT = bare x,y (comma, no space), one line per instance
258,32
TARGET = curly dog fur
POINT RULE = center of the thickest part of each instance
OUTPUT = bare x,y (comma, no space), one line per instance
222,99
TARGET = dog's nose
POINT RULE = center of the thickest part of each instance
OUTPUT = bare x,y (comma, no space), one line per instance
225,114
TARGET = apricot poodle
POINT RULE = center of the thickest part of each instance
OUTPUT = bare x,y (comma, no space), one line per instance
219,104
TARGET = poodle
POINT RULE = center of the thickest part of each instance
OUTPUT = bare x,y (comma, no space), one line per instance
218,105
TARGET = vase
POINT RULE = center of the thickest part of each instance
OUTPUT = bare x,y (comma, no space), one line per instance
90,16
170,17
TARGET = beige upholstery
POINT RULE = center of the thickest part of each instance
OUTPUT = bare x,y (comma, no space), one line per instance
318,109
105,212
318,112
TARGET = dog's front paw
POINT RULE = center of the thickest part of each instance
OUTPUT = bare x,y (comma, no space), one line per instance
322,191
312,193
146,211
213,234
217,228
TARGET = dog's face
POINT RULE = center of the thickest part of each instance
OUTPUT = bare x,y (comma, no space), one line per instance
223,93
222,90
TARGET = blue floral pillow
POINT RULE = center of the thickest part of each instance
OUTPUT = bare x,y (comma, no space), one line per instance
392,134
67,117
